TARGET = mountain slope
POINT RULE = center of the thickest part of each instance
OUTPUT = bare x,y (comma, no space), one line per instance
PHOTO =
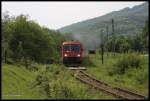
128,21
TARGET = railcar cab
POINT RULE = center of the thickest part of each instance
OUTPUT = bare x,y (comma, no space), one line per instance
72,52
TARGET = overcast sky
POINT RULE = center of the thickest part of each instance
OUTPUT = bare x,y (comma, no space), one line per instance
55,15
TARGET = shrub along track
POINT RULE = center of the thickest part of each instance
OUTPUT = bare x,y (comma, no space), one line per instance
100,85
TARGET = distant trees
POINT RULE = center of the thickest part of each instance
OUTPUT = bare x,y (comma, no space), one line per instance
144,37
24,39
140,42
123,43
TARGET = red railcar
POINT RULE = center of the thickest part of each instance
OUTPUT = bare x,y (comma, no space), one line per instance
72,53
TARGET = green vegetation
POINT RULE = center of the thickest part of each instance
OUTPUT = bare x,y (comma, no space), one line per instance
55,81
124,44
48,82
31,67
122,70
16,83
24,40
126,62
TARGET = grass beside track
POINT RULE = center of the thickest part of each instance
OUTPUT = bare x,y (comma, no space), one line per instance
49,82
134,79
16,82
55,81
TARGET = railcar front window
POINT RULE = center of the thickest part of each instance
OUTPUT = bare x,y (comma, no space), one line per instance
75,48
66,48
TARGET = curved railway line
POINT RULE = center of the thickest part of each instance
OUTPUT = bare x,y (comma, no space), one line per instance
100,85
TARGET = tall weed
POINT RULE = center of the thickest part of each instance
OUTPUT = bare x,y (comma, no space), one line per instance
130,60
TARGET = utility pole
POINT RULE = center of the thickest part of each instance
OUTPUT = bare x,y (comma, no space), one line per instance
107,38
102,48
113,36
5,51
107,31
5,55
112,26
102,45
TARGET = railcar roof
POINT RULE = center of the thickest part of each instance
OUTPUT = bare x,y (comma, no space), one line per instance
71,42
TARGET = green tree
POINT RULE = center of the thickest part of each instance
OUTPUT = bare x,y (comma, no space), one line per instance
38,43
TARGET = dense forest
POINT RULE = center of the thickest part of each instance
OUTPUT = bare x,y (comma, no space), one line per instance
24,41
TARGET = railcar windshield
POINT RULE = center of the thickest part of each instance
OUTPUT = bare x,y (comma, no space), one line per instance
74,48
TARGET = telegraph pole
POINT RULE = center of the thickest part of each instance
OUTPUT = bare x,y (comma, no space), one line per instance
5,55
5,51
107,31
102,45
113,36
112,26
107,38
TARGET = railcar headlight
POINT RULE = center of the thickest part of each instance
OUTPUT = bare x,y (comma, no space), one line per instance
65,55
78,55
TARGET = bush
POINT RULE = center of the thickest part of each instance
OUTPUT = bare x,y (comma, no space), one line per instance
141,76
59,90
56,83
130,60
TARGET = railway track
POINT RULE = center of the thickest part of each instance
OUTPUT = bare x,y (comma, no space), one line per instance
115,91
